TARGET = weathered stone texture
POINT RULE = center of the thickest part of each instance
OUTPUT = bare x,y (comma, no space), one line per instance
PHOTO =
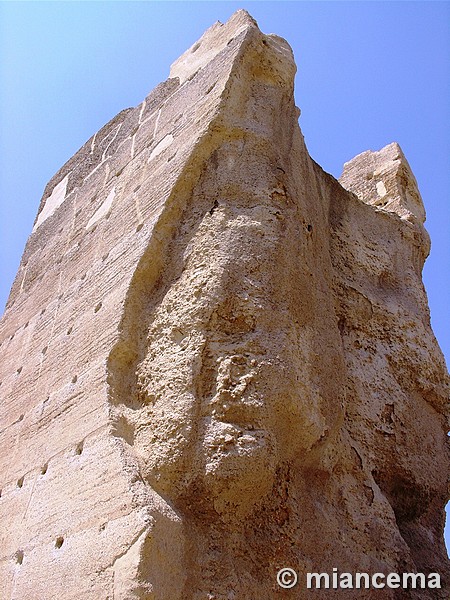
218,360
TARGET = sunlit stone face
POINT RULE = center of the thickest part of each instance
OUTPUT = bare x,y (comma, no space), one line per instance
225,377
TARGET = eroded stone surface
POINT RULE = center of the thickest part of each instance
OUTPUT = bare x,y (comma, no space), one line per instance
385,179
218,360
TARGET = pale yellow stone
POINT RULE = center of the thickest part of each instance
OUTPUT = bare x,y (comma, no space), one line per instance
217,360
55,200
103,211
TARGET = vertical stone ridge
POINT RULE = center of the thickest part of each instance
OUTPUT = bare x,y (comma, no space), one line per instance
244,355
159,344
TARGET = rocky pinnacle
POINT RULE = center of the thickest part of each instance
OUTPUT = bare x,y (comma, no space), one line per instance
217,359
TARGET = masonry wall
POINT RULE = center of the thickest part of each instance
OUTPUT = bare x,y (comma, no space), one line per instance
212,346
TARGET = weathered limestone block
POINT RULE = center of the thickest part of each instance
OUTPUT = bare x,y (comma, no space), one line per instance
217,359
385,179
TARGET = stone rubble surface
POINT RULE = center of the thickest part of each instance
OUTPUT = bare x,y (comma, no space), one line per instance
217,360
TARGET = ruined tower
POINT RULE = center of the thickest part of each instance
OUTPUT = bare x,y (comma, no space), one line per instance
217,360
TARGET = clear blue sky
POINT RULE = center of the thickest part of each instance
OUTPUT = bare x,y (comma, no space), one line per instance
369,73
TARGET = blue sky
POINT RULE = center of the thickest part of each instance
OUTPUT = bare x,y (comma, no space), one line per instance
369,73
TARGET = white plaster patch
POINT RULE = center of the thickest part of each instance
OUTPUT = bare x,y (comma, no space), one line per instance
161,146
381,189
55,199
156,123
103,211
93,143
144,103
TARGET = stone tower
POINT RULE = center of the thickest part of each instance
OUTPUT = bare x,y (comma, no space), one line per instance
217,360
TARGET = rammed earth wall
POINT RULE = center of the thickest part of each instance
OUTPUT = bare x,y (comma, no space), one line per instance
217,360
